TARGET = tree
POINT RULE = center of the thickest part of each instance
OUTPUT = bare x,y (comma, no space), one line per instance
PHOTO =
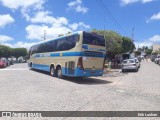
17,52
149,51
137,53
113,41
5,51
60,35
140,49
127,45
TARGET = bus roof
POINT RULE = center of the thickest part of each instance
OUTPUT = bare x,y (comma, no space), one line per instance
74,33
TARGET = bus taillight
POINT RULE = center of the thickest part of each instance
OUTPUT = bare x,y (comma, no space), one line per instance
80,63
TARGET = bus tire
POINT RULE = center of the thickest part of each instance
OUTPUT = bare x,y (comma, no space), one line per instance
59,73
52,71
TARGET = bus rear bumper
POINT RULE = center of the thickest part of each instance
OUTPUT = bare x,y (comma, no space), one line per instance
79,72
84,73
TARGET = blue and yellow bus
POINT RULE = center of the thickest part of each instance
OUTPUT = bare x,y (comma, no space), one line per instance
79,54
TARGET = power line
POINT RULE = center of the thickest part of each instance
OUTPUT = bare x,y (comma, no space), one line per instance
133,34
107,12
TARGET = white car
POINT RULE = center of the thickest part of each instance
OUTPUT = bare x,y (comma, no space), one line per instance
157,60
129,64
137,62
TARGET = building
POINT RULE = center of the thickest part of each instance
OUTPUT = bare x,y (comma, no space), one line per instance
156,47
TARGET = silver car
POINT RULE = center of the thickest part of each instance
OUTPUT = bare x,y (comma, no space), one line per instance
137,62
157,60
130,64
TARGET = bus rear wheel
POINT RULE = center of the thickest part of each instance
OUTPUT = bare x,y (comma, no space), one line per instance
59,73
52,71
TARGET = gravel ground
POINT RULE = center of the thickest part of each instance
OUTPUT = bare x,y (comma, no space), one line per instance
28,90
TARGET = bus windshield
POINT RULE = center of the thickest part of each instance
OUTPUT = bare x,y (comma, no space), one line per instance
91,39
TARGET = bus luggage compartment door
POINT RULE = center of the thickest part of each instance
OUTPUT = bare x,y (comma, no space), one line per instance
70,67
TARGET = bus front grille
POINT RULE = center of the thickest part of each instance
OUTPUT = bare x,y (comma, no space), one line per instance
93,54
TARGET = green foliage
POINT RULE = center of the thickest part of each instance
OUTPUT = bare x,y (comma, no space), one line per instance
149,51
6,51
155,52
115,43
137,53
127,45
60,35
143,48
17,52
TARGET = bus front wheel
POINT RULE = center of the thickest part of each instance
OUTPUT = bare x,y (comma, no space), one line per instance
59,73
52,71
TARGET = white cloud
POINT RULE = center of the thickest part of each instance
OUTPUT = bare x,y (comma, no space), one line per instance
16,4
74,26
4,38
77,6
41,19
127,2
143,43
155,38
37,31
154,17
45,17
149,42
53,26
79,25
146,1
84,25
25,6
20,44
5,19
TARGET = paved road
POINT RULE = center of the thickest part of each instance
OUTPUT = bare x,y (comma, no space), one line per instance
22,89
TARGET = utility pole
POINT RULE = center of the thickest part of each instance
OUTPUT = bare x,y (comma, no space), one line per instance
133,34
44,36
104,23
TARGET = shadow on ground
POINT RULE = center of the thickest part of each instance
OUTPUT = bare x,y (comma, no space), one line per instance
80,80
113,73
87,80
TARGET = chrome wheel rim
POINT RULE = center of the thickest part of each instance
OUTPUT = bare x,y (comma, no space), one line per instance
52,71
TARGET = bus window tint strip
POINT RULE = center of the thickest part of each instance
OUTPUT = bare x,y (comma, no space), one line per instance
92,39
62,44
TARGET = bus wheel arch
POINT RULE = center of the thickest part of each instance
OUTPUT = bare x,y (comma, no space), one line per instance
59,72
52,70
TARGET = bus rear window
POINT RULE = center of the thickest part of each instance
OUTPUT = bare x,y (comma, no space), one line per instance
92,39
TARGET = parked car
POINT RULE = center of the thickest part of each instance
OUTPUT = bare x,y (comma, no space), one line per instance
8,62
157,60
153,57
3,63
11,62
137,62
129,64
139,58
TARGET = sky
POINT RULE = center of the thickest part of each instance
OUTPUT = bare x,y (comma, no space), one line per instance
23,23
